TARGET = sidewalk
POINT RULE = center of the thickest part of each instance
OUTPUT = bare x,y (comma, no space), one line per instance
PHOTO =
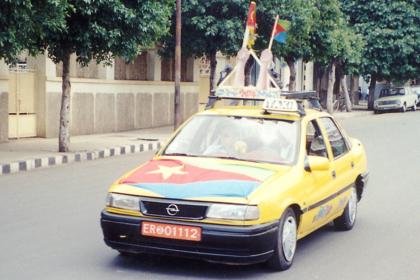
32,153
358,111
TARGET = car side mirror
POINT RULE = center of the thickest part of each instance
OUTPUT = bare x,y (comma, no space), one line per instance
316,163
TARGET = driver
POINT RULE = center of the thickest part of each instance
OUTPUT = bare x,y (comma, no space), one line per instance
224,145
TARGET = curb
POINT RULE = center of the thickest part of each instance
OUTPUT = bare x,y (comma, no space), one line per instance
353,114
45,162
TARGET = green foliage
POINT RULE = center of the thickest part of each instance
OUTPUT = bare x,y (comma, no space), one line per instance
208,27
391,30
24,22
333,40
104,29
97,30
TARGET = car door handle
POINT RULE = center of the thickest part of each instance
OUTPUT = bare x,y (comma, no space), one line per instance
352,165
334,175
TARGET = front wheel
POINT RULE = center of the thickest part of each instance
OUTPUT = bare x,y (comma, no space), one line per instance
285,243
403,108
415,107
348,218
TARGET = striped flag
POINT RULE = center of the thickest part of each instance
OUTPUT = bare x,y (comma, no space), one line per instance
251,24
280,32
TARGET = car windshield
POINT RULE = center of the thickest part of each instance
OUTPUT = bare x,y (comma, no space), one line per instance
241,138
393,92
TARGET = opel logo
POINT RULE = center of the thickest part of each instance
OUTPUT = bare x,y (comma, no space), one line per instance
172,209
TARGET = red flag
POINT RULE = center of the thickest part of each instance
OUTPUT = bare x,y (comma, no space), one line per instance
251,23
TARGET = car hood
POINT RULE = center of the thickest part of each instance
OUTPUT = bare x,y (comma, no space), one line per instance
205,179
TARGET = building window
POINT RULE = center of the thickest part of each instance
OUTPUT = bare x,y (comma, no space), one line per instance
136,70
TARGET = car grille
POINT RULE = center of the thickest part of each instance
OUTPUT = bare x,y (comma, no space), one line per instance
173,209
387,102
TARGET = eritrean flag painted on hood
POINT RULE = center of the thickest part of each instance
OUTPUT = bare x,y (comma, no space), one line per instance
176,179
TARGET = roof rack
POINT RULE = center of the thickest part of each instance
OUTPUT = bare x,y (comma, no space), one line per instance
309,98
212,100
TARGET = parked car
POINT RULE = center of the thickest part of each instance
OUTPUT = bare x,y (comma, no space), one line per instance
239,184
399,98
416,90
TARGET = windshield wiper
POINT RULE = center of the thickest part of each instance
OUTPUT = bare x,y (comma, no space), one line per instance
180,155
235,158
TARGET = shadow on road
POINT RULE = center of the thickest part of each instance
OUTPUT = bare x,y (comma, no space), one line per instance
172,266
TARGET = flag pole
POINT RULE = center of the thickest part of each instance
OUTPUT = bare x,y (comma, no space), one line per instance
246,37
272,33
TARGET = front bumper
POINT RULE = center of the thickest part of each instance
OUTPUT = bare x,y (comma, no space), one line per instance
387,107
219,243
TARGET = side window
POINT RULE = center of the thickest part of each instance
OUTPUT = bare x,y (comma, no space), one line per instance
315,145
337,142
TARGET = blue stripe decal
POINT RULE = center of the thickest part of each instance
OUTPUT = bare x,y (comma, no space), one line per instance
224,188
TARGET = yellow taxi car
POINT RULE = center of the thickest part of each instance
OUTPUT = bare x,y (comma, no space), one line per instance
239,184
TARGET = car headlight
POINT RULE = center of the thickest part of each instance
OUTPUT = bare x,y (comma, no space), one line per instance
123,201
233,212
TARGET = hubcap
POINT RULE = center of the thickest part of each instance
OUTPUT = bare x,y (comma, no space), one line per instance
289,238
352,206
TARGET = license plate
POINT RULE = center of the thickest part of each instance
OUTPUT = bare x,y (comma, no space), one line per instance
171,231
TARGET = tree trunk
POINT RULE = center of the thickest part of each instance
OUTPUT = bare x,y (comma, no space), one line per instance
213,64
292,79
346,93
331,80
318,83
177,93
372,86
354,86
337,82
64,130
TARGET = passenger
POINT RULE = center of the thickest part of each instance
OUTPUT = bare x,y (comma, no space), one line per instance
224,145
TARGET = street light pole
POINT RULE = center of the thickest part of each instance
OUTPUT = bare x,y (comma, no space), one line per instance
177,101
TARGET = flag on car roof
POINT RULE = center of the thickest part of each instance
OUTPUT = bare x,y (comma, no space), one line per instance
281,29
251,24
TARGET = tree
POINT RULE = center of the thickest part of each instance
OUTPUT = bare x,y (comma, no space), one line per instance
207,28
391,30
22,22
102,30
334,44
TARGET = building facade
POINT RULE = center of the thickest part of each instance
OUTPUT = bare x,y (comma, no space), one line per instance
104,98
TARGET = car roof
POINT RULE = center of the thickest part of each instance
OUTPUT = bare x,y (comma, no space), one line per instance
258,112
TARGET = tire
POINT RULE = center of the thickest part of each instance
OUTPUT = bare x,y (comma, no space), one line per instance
403,108
285,243
414,107
347,220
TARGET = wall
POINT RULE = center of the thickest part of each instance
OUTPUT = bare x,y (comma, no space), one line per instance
103,106
4,117
4,101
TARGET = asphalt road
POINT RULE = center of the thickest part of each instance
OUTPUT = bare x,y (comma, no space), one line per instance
49,221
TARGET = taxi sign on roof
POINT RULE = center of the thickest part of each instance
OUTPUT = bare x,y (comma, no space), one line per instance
280,105
247,92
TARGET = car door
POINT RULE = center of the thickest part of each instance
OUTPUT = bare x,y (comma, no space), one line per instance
342,164
319,185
